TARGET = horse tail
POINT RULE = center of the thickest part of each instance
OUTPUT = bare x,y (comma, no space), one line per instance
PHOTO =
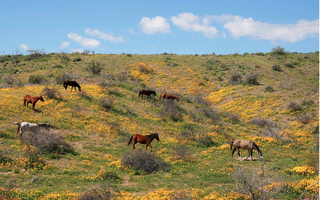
231,145
19,125
130,140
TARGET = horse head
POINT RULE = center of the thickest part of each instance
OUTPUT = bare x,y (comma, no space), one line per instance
41,99
155,94
156,136
79,88
48,127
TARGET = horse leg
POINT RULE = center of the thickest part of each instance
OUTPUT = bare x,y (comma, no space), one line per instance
233,152
133,144
248,155
238,151
33,105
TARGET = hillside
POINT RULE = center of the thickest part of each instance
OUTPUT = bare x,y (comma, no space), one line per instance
268,98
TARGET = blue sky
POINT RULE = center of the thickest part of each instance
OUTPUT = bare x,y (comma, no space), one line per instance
154,27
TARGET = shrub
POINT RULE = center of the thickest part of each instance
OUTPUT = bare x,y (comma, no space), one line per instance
52,93
294,106
205,140
252,79
33,157
181,152
142,160
76,60
211,113
260,54
143,68
268,88
235,78
278,50
48,142
84,95
61,78
277,68
305,118
94,68
290,65
261,122
57,66
171,110
36,79
107,104
7,79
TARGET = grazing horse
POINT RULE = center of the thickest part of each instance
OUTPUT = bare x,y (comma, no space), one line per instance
29,99
32,127
143,139
147,92
166,96
74,85
244,144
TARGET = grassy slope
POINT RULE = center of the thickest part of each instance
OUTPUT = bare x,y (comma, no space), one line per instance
100,136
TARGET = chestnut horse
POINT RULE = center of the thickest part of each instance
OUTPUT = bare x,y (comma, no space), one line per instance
143,139
243,144
35,128
29,99
147,92
166,96
74,85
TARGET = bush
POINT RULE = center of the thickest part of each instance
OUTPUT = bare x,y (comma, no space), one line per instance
57,66
235,78
305,119
252,79
52,93
211,113
268,88
277,68
290,65
294,106
261,122
94,68
61,78
107,104
84,95
36,79
76,60
7,79
181,152
278,50
171,110
48,142
140,159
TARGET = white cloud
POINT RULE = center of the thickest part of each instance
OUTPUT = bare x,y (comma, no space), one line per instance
24,46
190,22
104,36
77,50
154,25
87,42
64,44
131,31
247,27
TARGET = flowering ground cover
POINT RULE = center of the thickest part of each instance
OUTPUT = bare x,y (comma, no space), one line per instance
93,126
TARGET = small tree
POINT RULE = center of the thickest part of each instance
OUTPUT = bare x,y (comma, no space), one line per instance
278,50
94,68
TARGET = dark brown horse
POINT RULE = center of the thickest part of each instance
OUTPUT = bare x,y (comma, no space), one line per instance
29,99
74,85
166,96
147,92
243,144
143,139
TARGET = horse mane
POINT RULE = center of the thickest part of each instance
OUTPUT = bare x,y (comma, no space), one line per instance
256,147
151,136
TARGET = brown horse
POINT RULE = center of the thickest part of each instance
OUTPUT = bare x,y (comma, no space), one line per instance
74,85
244,144
166,96
143,139
147,92
29,99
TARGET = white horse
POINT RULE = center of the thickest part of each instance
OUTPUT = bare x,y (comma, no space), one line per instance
32,127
